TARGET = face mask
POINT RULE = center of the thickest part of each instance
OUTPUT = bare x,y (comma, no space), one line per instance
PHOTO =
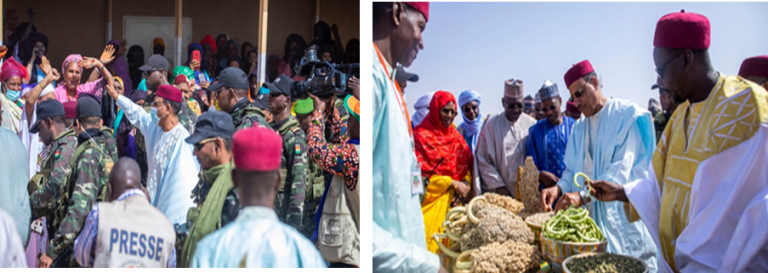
155,118
13,95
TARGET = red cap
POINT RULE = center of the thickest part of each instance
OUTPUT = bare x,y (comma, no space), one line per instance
180,79
577,71
755,67
422,7
169,92
257,149
570,106
70,109
681,30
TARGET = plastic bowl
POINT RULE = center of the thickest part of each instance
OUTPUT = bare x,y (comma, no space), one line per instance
565,263
536,232
555,251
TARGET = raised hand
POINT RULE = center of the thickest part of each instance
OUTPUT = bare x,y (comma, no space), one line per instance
111,90
45,65
55,76
319,104
3,51
88,62
194,65
107,55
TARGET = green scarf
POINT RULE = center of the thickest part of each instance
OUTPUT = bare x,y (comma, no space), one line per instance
209,219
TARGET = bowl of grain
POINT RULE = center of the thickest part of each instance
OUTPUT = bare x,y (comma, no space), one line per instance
604,263
534,221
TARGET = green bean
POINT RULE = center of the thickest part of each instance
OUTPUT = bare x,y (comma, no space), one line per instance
572,225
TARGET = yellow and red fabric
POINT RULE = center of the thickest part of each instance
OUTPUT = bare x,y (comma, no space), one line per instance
435,142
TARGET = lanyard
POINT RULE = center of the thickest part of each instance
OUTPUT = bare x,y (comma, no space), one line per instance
398,93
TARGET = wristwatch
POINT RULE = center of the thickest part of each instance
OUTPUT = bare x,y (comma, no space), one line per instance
584,197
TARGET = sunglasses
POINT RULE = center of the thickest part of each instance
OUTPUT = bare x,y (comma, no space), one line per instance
199,145
578,94
470,108
515,105
551,108
660,70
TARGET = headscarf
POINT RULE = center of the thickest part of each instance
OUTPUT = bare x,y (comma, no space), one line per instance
293,38
243,53
470,128
119,112
120,69
435,142
13,68
326,30
196,46
183,70
157,41
29,45
69,59
135,55
224,63
222,50
422,108
208,40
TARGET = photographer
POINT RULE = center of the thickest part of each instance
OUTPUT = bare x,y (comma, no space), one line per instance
340,205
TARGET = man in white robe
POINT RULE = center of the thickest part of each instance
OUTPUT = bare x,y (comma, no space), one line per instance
172,168
705,200
614,142
501,147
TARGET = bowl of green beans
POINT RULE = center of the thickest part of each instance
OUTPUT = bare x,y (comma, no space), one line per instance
570,232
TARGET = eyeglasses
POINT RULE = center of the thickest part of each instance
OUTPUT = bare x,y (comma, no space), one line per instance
199,145
578,94
660,69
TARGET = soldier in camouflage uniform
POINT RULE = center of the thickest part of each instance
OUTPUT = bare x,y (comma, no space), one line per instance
231,91
44,187
86,184
289,204
316,176
214,194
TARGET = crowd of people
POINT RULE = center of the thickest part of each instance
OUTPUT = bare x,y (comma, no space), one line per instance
692,172
147,164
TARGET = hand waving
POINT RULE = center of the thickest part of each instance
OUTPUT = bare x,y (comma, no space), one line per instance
45,65
107,55
88,62
111,90
55,76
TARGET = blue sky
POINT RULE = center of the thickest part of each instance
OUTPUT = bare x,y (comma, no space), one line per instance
479,45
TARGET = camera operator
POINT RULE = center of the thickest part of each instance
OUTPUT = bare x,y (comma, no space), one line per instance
340,205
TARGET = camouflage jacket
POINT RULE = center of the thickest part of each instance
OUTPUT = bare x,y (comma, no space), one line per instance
107,143
246,115
44,186
289,204
316,178
231,204
79,193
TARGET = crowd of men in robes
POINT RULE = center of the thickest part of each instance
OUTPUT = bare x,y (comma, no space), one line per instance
693,173
103,174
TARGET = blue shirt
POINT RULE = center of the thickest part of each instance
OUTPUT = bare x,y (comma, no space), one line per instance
85,244
546,145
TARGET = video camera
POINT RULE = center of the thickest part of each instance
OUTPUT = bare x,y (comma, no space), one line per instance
324,79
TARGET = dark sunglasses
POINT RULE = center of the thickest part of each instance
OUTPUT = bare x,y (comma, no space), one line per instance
551,107
660,70
470,108
578,94
515,105
199,145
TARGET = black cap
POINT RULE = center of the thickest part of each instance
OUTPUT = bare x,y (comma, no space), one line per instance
155,62
260,101
401,75
230,77
87,107
138,95
212,124
47,109
281,85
